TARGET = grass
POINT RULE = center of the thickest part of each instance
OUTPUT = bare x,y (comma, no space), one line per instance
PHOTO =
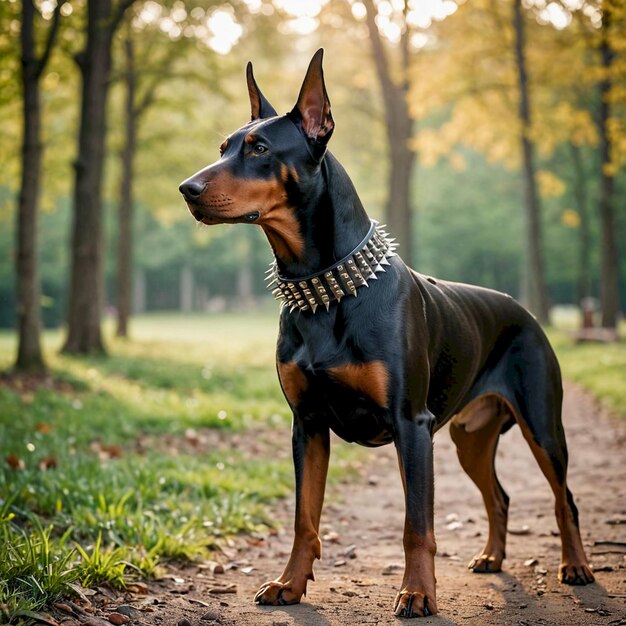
599,368
131,460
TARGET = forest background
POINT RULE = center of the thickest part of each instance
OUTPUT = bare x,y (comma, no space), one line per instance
490,136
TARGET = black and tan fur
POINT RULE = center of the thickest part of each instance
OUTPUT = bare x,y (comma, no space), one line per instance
392,365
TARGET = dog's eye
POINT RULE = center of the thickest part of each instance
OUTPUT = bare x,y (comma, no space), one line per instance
259,149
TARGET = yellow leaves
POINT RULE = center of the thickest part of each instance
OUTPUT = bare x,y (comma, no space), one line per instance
457,161
550,185
570,218
610,169
562,123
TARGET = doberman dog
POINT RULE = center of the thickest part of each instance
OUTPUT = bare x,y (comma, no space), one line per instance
379,353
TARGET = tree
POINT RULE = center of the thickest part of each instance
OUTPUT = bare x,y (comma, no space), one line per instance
400,128
580,196
609,275
125,213
29,353
86,288
482,88
533,276
149,59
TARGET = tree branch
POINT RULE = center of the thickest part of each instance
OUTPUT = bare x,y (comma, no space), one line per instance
52,33
117,16
405,44
380,58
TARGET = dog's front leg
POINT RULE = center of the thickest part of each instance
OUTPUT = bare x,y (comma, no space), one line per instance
311,450
413,441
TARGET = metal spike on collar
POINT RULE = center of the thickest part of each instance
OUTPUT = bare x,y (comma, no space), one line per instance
307,293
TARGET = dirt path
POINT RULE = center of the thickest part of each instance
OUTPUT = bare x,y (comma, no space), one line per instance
370,514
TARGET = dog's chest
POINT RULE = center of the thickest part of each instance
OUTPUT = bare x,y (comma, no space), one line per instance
340,382
352,399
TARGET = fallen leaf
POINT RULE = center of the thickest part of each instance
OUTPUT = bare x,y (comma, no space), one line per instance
118,619
232,588
82,592
200,602
14,462
42,618
60,606
48,463
137,587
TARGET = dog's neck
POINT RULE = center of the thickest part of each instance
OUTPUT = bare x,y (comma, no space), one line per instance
342,248
331,219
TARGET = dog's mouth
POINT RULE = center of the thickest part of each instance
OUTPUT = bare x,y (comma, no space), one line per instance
210,220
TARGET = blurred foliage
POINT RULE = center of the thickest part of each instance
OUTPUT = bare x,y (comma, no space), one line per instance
467,190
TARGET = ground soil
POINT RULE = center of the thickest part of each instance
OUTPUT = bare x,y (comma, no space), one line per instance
361,567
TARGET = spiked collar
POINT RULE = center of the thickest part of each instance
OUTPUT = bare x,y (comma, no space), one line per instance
341,279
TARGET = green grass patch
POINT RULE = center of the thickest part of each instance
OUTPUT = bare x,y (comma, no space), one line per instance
598,367
101,478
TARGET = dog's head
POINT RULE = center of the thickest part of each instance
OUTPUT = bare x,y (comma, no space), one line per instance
267,166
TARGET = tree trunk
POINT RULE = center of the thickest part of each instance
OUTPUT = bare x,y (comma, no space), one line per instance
609,277
584,249
400,129
125,241
86,289
139,291
29,354
186,288
534,268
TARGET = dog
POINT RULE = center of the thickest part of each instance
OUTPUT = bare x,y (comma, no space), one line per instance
378,353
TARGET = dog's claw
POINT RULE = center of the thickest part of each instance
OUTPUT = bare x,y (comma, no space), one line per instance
485,564
273,593
576,574
413,604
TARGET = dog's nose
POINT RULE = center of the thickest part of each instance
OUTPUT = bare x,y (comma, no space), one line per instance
191,189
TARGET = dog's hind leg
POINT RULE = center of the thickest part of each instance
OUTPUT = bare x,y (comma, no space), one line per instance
536,406
550,452
475,431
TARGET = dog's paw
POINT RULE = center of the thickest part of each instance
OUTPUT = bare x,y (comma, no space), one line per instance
276,593
485,564
570,574
413,604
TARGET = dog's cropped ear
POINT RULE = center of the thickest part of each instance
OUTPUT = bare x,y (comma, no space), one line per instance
259,105
313,107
